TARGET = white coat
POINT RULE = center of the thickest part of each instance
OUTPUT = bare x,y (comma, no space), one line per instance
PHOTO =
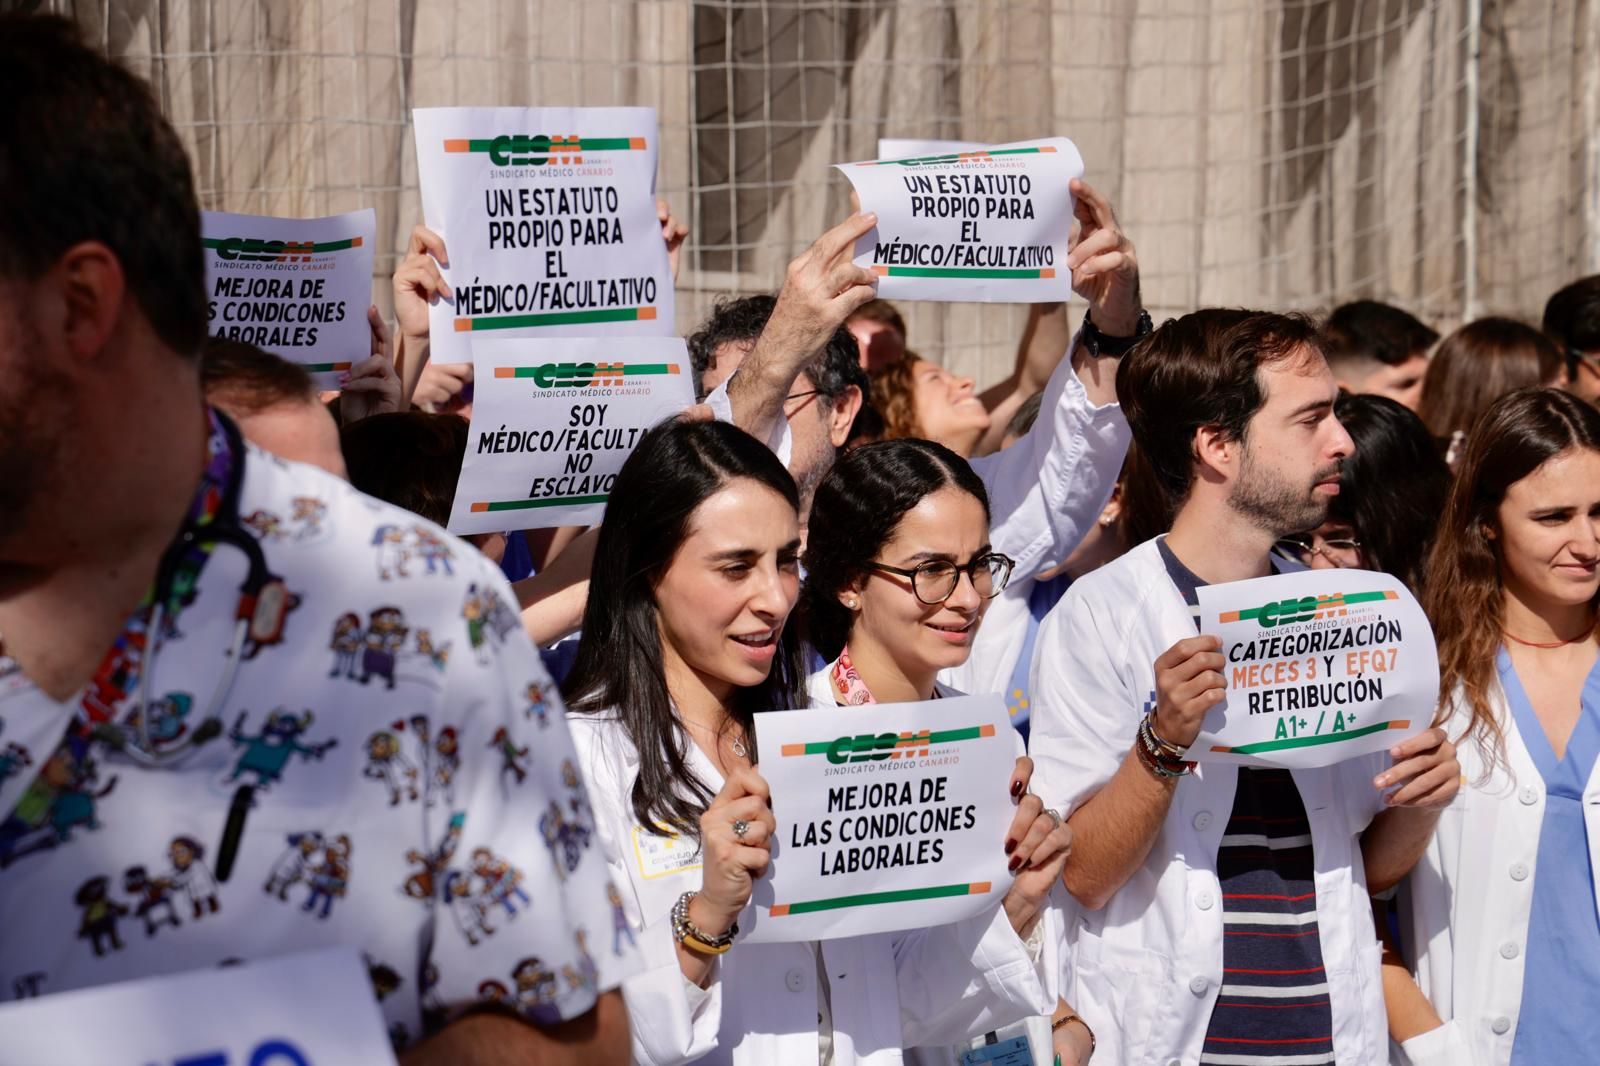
1465,909
929,986
1051,926
1148,966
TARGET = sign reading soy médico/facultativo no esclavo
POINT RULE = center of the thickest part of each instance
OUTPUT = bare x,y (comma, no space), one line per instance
549,218
554,420
1322,666
985,226
297,287
889,816
310,1009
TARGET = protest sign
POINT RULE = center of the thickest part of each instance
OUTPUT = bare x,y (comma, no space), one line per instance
553,421
1322,666
890,816
905,148
549,217
297,287
985,226
312,1009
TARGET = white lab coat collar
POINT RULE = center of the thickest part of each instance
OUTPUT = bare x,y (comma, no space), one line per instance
1465,909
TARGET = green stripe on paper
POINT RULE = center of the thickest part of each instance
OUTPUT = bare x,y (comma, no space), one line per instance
978,154
554,318
868,899
321,368
525,505
289,246
956,272
586,144
637,370
1304,742
948,736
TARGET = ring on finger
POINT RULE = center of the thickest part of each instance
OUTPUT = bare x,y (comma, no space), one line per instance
1054,817
740,827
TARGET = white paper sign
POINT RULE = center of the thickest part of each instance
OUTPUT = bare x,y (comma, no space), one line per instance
1322,666
297,287
553,422
313,1009
985,226
906,148
890,816
549,217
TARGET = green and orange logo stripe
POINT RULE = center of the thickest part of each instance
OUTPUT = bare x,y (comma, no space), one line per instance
961,157
518,149
1307,608
1287,743
555,318
261,250
961,272
872,899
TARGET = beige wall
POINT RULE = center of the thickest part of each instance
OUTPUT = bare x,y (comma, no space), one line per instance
1292,153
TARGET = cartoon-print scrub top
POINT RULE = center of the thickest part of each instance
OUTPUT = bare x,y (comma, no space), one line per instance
391,770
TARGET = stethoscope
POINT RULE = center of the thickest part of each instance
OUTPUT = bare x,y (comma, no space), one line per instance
263,603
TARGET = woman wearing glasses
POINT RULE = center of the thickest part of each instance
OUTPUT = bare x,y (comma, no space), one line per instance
899,573
685,643
1391,492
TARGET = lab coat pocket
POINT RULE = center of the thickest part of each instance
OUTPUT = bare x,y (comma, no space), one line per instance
1360,1028
1125,994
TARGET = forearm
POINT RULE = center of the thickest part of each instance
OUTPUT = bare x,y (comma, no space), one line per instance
1071,1041
410,357
489,1039
1114,831
757,390
1393,844
1410,1013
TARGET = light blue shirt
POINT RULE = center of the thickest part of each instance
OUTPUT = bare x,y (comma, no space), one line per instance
1558,1022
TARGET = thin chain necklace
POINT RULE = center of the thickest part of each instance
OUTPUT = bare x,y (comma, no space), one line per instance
737,744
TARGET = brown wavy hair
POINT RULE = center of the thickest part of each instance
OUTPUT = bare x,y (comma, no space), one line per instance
1476,365
1464,593
894,396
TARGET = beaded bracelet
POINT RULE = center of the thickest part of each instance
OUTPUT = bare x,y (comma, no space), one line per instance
1158,755
692,937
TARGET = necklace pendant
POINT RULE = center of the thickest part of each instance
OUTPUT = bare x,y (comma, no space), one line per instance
739,749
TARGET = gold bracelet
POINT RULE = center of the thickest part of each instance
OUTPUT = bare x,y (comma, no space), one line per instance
700,947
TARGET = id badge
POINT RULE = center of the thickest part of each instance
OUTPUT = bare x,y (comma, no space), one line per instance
1012,1052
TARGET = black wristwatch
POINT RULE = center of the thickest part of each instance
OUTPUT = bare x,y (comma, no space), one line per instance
1100,344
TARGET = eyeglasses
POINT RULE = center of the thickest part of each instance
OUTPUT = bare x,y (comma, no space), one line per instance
935,581
1575,359
1342,553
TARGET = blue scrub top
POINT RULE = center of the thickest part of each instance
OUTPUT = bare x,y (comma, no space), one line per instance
1558,1022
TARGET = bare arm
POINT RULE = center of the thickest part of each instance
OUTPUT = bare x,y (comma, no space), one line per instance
489,1039
552,600
1428,776
1044,343
820,290
417,284
1410,1013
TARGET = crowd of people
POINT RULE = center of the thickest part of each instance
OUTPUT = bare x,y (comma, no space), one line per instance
254,699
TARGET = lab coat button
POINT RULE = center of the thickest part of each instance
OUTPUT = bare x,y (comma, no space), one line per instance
1509,950
795,980
1519,871
1203,900
1202,820
1501,1025
1197,985
1529,796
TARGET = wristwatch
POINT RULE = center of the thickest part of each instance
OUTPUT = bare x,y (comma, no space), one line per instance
1100,344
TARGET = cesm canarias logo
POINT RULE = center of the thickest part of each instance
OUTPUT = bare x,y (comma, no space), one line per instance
261,250
877,747
1305,608
540,149
585,375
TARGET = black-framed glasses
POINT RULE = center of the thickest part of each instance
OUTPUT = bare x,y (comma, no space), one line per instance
1340,551
1575,359
935,581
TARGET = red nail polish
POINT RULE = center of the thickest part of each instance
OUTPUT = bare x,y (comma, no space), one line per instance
1011,845
1016,861
1016,788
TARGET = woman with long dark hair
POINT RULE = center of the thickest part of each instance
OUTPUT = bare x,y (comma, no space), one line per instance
1501,924
1391,491
685,644
899,574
